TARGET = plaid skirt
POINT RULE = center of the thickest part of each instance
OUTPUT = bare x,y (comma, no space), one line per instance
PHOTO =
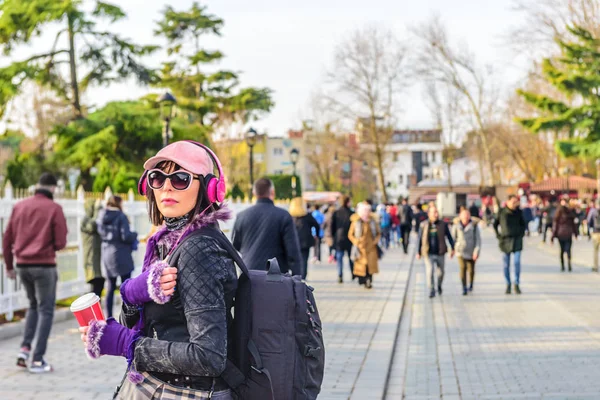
154,389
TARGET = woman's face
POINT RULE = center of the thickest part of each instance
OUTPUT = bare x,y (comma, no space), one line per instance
176,203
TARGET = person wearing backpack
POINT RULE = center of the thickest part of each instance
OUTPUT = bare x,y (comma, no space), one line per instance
305,224
173,329
385,224
117,242
467,243
364,235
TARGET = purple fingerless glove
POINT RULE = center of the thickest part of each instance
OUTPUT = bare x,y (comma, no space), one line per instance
145,287
113,339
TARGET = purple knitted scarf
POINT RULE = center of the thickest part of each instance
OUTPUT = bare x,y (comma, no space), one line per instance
171,238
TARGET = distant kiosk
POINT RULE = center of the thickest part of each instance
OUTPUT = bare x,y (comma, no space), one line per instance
446,204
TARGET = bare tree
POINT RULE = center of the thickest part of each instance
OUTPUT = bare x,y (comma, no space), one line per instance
37,111
545,20
455,69
366,77
446,112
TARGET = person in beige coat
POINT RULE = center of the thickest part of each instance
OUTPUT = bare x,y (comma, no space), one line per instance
364,234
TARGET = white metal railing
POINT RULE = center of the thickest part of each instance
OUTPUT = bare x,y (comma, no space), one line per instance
71,273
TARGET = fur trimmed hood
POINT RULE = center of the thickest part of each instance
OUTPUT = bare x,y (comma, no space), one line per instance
170,238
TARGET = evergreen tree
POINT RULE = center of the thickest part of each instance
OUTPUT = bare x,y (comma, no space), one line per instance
209,98
576,74
104,57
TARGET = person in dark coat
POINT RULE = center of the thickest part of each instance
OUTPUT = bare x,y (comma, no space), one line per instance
406,217
117,242
304,223
563,229
92,246
264,231
420,216
340,225
474,210
510,238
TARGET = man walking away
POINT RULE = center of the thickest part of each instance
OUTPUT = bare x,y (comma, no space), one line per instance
510,238
264,231
340,225
467,239
432,247
320,218
563,229
593,221
406,217
474,210
37,229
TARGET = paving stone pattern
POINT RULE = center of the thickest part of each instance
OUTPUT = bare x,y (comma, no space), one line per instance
351,318
543,344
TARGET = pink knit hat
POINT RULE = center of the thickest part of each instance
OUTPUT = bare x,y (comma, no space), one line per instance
186,154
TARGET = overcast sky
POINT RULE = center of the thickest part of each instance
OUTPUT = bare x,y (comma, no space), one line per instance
287,45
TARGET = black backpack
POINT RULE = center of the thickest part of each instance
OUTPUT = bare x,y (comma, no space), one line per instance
278,350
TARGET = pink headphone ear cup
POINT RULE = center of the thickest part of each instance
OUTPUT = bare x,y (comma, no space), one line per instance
211,189
142,184
221,190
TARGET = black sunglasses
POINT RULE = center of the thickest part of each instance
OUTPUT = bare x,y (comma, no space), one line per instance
180,180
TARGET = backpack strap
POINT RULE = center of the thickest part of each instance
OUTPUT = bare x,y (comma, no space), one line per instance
220,237
259,365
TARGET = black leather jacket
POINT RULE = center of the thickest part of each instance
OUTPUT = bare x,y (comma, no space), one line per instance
185,340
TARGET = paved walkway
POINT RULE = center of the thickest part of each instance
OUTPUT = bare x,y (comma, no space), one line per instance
543,344
359,330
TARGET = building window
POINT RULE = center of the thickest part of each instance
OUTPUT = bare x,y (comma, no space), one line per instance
259,157
277,151
433,157
401,179
395,157
278,172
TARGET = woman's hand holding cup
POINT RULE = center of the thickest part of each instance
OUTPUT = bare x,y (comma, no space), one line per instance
168,280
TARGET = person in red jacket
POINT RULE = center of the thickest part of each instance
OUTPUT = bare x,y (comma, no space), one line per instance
37,229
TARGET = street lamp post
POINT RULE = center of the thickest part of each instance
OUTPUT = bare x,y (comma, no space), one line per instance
166,101
294,154
251,141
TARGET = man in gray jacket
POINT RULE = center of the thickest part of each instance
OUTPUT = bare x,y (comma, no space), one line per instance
264,231
467,239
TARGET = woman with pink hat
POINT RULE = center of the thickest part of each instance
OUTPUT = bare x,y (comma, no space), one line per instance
175,337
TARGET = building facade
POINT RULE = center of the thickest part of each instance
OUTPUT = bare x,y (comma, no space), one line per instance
412,156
